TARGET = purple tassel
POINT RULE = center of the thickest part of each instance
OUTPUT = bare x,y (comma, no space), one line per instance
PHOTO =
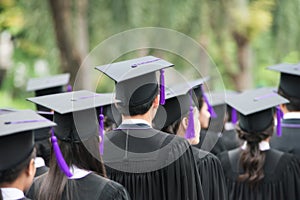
279,115
69,88
59,157
101,130
234,118
210,108
162,87
190,131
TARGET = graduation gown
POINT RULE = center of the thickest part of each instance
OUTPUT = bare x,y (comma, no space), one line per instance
89,187
230,139
281,181
41,170
151,164
210,141
289,140
211,175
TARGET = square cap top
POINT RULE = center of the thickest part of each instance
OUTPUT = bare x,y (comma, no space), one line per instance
183,88
43,83
125,70
287,68
253,101
219,97
22,121
6,110
69,102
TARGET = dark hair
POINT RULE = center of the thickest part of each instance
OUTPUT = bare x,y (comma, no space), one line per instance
294,104
200,102
43,149
173,128
252,160
56,183
10,175
136,110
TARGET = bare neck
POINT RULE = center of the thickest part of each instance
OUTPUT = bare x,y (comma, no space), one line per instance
147,117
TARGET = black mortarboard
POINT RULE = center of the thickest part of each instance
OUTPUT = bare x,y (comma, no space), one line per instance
16,136
74,113
76,118
256,108
6,111
136,81
180,100
48,85
289,79
197,86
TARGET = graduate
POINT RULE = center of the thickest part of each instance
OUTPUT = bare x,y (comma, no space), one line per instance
182,119
76,169
45,86
209,137
149,163
255,171
225,121
17,152
288,139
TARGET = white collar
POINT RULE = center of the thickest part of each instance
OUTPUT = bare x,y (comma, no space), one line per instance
229,126
263,146
135,121
39,162
291,115
12,193
78,173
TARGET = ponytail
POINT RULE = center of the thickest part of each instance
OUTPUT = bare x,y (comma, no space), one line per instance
252,159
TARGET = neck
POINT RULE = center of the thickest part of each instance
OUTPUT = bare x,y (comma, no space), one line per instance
16,184
145,117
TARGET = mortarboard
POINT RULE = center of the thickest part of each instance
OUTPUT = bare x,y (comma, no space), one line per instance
75,116
180,100
197,86
136,81
256,108
48,85
6,110
289,78
16,136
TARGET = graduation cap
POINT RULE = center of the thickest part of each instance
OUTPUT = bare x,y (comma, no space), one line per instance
16,136
197,86
289,79
6,111
219,103
48,85
74,113
136,81
256,109
111,112
180,100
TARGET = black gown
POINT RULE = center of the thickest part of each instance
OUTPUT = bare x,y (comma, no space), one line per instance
89,187
210,141
151,164
41,170
281,181
290,138
211,175
230,139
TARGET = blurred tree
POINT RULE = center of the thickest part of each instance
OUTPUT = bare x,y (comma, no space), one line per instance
72,41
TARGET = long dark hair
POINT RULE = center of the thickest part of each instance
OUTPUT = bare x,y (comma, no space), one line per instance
10,175
55,184
252,160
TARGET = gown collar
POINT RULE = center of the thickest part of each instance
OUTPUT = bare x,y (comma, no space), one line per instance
39,162
78,173
292,115
135,121
263,146
12,193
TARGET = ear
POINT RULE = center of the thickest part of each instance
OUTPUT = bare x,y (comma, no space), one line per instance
156,102
283,108
184,123
30,171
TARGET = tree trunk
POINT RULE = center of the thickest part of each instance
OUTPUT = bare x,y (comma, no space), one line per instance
243,79
69,53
